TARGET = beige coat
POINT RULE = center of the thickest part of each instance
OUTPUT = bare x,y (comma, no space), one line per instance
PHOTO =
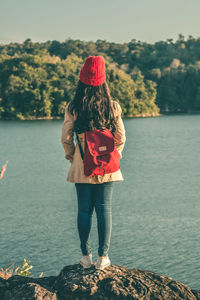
72,152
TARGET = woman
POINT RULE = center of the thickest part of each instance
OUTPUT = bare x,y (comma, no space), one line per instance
92,108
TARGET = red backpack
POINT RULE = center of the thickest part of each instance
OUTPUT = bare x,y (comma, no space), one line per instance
100,155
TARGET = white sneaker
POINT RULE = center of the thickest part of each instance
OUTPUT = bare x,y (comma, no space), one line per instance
102,262
86,261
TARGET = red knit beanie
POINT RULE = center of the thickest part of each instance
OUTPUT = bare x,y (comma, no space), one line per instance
93,71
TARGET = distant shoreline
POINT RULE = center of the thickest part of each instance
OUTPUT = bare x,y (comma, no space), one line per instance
33,119
59,118
127,117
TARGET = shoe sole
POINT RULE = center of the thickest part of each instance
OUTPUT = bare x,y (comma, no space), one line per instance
101,268
85,266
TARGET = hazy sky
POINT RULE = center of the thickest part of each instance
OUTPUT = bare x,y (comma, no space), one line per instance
111,20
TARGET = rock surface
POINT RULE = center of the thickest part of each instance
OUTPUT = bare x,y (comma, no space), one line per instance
115,282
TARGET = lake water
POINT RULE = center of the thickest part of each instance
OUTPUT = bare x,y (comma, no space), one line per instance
156,209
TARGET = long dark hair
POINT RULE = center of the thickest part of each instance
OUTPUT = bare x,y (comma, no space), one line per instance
93,107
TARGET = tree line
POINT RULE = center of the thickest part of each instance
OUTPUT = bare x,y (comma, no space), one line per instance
38,79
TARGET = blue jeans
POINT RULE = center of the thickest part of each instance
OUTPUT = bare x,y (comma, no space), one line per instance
98,197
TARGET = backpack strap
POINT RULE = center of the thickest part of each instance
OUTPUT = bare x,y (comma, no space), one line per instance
78,141
80,146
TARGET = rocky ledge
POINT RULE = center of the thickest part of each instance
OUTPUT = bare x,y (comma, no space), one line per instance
115,282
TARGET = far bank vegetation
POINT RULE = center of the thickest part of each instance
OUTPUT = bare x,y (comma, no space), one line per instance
38,79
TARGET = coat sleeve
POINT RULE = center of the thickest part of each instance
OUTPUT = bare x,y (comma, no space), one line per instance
119,134
67,137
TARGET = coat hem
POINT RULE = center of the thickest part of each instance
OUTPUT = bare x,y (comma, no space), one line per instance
97,182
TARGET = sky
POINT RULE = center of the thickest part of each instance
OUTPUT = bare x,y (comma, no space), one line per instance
117,21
